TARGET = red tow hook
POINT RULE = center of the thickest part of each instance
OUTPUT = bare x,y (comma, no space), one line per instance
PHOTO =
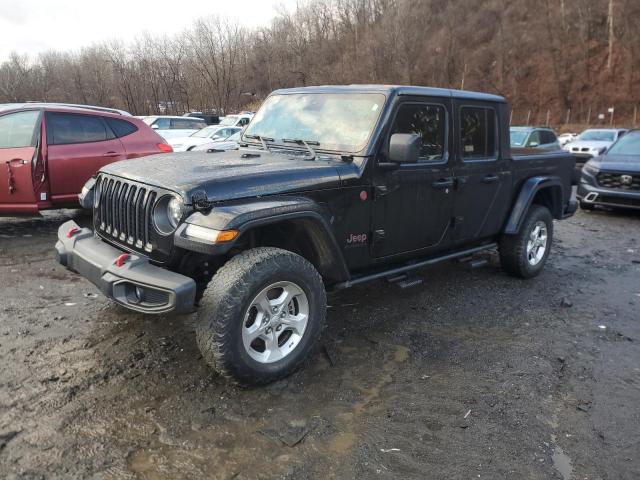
72,232
121,259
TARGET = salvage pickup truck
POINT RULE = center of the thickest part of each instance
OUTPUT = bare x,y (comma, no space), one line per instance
331,187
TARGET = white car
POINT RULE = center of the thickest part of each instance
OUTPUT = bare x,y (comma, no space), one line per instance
593,142
170,127
238,120
230,143
206,135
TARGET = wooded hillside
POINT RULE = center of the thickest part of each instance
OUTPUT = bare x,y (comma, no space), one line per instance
573,58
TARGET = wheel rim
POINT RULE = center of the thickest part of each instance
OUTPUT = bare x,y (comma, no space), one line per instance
275,322
537,243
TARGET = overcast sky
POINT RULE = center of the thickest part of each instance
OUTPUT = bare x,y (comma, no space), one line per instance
32,26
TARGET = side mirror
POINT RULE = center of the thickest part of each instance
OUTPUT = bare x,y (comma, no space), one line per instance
405,147
533,144
155,127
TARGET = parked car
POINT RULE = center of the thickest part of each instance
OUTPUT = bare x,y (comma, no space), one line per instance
209,118
255,236
170,127
565,138
534,137
206,135
613,178
239,120
231,143
49,151
592,143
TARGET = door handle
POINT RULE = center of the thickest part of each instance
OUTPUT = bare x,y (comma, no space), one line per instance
111,154
443,183
490,179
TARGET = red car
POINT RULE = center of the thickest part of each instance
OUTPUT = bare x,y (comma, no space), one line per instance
49,151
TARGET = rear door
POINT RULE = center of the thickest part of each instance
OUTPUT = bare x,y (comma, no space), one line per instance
78,145
19,140
482,173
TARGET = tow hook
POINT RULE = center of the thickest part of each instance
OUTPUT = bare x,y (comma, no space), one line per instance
121,259
72,232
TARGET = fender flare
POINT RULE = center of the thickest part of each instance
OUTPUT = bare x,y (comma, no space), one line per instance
256,213
525,198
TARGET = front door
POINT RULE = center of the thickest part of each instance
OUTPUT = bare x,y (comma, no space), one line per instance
413,202
19,137
482,174
78,145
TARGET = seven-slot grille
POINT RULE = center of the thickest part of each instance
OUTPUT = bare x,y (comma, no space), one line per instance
616,180
124,211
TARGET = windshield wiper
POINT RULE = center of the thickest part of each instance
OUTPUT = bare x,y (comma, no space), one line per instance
262,140
306,143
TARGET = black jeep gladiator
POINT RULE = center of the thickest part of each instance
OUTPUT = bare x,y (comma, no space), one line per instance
331,187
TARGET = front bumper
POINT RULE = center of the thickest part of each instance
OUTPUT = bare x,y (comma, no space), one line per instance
608,197
135,284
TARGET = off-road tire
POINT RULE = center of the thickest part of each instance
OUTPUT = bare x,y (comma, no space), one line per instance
513,248
225,302
586,206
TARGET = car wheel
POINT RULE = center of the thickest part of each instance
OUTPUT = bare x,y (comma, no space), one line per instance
261,315
586,206
525,253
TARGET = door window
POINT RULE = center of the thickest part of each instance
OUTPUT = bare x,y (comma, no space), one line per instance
534,139
478,133
19,129
67,128
162,123
427,121
186,124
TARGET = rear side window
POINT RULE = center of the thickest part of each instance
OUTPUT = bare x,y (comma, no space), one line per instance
187,124
121,128
427,121
19,129
478,128
548,137
67,128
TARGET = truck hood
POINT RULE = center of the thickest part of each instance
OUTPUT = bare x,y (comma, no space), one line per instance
232,174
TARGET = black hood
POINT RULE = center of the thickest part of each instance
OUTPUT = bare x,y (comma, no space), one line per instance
617,163
232,174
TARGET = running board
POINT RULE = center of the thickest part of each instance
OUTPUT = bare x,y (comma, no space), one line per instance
395,272
404,281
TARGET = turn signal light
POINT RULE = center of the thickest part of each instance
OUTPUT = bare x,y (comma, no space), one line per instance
165,148
210,234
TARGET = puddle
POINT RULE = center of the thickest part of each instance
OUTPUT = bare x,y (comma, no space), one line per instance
561,461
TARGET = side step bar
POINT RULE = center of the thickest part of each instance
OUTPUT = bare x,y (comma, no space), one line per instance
395,272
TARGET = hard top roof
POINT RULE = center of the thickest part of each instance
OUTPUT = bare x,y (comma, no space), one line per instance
395,89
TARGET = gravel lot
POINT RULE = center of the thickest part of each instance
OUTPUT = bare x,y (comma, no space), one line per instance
471,375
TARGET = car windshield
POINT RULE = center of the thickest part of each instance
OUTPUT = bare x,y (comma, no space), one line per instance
518,137
228,121
627,145
332,121
597,136
206,132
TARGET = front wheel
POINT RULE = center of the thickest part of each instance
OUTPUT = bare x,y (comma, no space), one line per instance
525,253
260,315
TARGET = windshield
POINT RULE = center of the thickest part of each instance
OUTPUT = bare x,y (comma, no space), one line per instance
205,132
518,137
597,136
627,145
228,121
336,121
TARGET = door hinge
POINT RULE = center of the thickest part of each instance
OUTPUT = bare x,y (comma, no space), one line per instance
378,236
380,191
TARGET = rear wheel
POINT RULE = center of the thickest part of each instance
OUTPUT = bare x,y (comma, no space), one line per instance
525,253
261,315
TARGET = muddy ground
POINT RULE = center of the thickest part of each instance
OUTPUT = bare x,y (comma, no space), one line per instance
471,375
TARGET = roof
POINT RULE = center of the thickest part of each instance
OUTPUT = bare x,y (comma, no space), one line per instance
61,106
395,89
528,129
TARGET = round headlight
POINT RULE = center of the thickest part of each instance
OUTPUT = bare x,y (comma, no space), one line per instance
167,213
175,210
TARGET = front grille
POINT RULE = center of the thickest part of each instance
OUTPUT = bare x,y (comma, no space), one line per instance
622,181
123,212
